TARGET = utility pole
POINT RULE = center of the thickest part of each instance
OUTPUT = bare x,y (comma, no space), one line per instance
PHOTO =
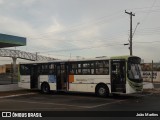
131,14
152,72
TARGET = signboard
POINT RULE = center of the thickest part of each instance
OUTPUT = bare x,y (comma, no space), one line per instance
11,41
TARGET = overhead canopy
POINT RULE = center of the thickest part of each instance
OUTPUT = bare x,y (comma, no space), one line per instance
11,41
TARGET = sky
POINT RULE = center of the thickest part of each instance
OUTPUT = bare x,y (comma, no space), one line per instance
71,29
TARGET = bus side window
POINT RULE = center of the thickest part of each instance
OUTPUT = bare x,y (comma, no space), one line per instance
71,72
25,69
102,67
51,69
79,71
92,72
106,71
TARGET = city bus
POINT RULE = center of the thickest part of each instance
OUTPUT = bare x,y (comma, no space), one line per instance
102,76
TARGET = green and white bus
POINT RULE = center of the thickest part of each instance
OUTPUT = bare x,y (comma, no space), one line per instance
102,76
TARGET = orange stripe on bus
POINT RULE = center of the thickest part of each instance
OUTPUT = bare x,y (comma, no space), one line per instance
71,78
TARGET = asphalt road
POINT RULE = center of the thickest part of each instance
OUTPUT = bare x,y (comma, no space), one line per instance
80,102
75,105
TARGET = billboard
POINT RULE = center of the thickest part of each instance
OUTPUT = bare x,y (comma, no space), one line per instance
11,41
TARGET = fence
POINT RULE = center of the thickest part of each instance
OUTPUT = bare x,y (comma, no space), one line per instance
147,76
151,72
8,78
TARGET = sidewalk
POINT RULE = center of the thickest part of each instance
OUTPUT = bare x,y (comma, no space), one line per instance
16,92
153,88
13,90
150,85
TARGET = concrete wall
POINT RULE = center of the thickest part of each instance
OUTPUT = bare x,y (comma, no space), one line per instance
9,87
148,85
147,76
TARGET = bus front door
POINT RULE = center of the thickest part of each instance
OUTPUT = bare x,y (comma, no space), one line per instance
34,77
61,73
118,76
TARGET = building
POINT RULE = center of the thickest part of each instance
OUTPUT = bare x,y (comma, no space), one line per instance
7,68
148,72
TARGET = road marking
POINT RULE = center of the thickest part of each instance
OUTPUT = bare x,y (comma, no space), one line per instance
79,106
106,104
51,103
9,96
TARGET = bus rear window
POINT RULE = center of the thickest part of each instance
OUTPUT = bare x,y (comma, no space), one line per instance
24,69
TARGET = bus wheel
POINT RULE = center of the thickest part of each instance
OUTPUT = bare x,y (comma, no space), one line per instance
102,91
45,88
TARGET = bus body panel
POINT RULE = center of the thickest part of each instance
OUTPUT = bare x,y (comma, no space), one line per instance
50,79
52,86
82,83
129,89
91,79
137,87
79,87
24,81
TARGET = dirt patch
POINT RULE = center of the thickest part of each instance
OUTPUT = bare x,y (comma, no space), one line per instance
154,91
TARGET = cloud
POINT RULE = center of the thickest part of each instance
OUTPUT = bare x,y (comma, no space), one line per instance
66,25
28,2
55,26
15,26
12,26
1,2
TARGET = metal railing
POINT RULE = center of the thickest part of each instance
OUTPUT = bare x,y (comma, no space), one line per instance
23,55
12,77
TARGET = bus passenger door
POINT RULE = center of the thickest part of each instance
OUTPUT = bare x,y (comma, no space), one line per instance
34,76
61,73
118,76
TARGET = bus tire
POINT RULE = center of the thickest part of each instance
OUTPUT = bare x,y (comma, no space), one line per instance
102,90
45,88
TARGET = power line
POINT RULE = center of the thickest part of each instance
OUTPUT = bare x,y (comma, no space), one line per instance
76,49
147,14
139,8
148,42
81,26
98,40
115,39
152,28
112,37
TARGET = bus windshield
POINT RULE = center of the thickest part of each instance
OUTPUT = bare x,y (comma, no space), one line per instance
134,69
